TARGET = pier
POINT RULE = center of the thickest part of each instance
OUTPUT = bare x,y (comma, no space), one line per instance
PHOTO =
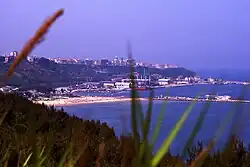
169,98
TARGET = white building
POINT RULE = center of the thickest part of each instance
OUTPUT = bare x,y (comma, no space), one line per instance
211,79
226,97
196,78
30,58
164,81
182,82
187,78
122,85
108,84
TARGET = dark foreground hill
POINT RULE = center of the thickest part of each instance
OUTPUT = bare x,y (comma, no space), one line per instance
43,72
26,120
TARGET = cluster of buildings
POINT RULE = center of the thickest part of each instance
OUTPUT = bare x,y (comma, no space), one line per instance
102,62
179,80
34,94
119,85
219,98
8,58
142,83
12,55
115,62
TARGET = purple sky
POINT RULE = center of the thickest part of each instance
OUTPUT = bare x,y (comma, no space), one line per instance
190,33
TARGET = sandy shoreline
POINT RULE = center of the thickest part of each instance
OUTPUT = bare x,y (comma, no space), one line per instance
83,100
93,99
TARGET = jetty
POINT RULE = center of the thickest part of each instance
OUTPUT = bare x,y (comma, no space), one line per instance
178,98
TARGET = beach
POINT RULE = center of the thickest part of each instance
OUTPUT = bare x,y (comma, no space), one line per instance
83,100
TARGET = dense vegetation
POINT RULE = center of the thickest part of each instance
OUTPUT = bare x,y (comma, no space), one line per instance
46,73
26,121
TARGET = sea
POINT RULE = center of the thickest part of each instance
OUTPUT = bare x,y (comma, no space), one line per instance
117,114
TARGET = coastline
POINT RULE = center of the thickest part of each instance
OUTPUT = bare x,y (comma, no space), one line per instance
83,100
69,101
60,102
165,86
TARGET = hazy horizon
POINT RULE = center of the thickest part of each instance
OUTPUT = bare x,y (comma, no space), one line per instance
193,34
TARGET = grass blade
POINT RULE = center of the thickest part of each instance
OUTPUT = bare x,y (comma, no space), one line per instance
158,123
200,158
134,105
27,160
237,116
196,128
146,126
166,144
134,119
64,157
3,117
139,112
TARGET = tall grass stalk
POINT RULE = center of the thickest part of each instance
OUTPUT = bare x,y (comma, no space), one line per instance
229,117
196,128
167,142
143,154
158,123
28,47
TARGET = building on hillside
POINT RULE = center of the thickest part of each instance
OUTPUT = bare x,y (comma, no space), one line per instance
131,62
122,61
88,62
30,58
14,53
160,66
104,62
170,66
115,61
97,62
9,59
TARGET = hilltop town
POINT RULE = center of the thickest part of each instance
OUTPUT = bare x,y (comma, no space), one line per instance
35,72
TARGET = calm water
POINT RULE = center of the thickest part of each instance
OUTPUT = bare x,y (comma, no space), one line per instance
117,115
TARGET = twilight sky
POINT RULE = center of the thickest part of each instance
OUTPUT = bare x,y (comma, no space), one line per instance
191,33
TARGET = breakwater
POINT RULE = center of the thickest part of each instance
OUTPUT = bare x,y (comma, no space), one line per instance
178,98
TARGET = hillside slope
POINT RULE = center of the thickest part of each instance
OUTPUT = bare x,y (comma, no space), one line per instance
44,72
26,119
